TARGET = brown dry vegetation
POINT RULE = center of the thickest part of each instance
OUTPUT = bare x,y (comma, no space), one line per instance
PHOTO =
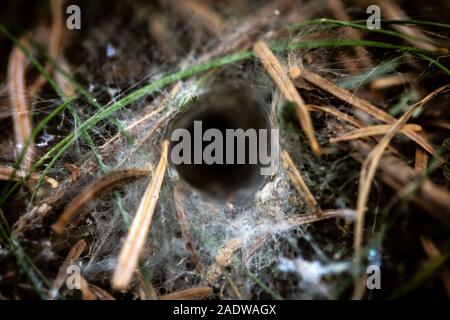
364,174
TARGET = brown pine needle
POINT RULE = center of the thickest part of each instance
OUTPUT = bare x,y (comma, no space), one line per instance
67,88
421,157
61,276
365,106
92,191
300,184
371,131
391,81
188,294
370,165
344,117
8,173
129,255
19,105
54,45
287,88
100,293
443,124
338,114
135,125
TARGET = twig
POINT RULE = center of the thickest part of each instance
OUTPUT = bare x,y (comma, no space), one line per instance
129,255
8,173
287,88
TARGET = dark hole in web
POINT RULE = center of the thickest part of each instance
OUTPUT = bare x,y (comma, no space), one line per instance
223,109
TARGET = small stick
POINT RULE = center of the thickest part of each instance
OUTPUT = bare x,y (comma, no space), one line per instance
300,183
129,255
287,88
